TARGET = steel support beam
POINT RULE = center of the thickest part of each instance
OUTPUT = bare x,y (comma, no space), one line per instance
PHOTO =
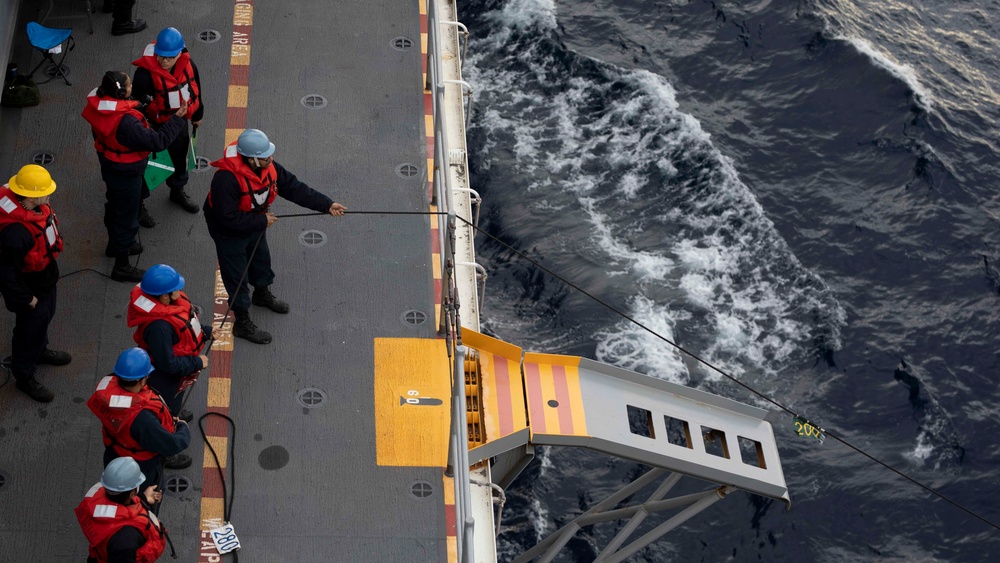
658,532
615,498
638,517
547,549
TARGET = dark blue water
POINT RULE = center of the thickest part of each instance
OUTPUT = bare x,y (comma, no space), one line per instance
805,193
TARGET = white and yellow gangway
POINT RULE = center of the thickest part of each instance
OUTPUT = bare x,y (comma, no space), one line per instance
518,400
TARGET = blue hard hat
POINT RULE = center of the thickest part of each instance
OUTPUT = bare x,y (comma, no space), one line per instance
161,280
254,143
169,43
121,475
133,364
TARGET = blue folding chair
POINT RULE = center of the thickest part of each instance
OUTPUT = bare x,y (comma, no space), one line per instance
45,39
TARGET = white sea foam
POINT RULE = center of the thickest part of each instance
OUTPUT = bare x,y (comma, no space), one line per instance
629,346
923,448
528,14
719,269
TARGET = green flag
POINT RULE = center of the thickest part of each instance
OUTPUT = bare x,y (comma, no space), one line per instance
158,169
193,152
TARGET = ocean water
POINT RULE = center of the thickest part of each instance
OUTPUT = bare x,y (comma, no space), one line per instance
803,193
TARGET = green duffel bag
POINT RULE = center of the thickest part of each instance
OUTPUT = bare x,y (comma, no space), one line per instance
20,92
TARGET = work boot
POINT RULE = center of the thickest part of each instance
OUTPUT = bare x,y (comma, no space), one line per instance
125,272
133,250
185,415
53,358
32,388
127,26
180,197
262,297
145,219
177,461
245,329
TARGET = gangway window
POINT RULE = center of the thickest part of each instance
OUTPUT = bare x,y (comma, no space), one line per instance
752,452
640,422
715,442
678,431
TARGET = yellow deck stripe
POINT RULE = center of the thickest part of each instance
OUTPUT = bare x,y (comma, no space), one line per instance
221,445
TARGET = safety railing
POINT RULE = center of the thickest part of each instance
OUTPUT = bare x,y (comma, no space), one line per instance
450,323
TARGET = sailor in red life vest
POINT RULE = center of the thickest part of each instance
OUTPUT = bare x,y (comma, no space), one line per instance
135,420
123,141
167,327
166,73
237,211
29,245
117,521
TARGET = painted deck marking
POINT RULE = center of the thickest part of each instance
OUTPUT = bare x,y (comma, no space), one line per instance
449,485
220,369
412,368
555,400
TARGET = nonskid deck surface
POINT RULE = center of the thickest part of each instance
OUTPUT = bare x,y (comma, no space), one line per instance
307,484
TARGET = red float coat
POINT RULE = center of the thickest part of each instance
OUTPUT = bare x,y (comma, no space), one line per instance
143,310
104,114
171,86
117,408
43,226
100,518
256,192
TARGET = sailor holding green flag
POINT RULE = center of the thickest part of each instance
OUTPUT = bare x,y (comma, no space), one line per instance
166,74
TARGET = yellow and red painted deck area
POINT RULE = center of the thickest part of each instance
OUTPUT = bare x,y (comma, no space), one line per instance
555,402
221,354
429,147
448,484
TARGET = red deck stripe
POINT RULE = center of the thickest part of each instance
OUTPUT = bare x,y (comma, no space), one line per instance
449,520
236,117
222,361
211,486
216,426
565,409
239,75
222,364
502,373
536,408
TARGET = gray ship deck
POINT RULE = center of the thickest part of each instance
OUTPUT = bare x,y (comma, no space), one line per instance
330,501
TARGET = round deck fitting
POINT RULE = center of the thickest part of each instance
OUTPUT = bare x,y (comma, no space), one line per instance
402,43
407,170
311,397
209,36
312,238
413,317
176,484
201,164
313,101
43,158
421,490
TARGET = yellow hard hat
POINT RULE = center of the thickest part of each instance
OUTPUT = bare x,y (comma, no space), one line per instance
32,181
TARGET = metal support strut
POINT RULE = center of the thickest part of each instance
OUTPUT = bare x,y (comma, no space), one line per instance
546,550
